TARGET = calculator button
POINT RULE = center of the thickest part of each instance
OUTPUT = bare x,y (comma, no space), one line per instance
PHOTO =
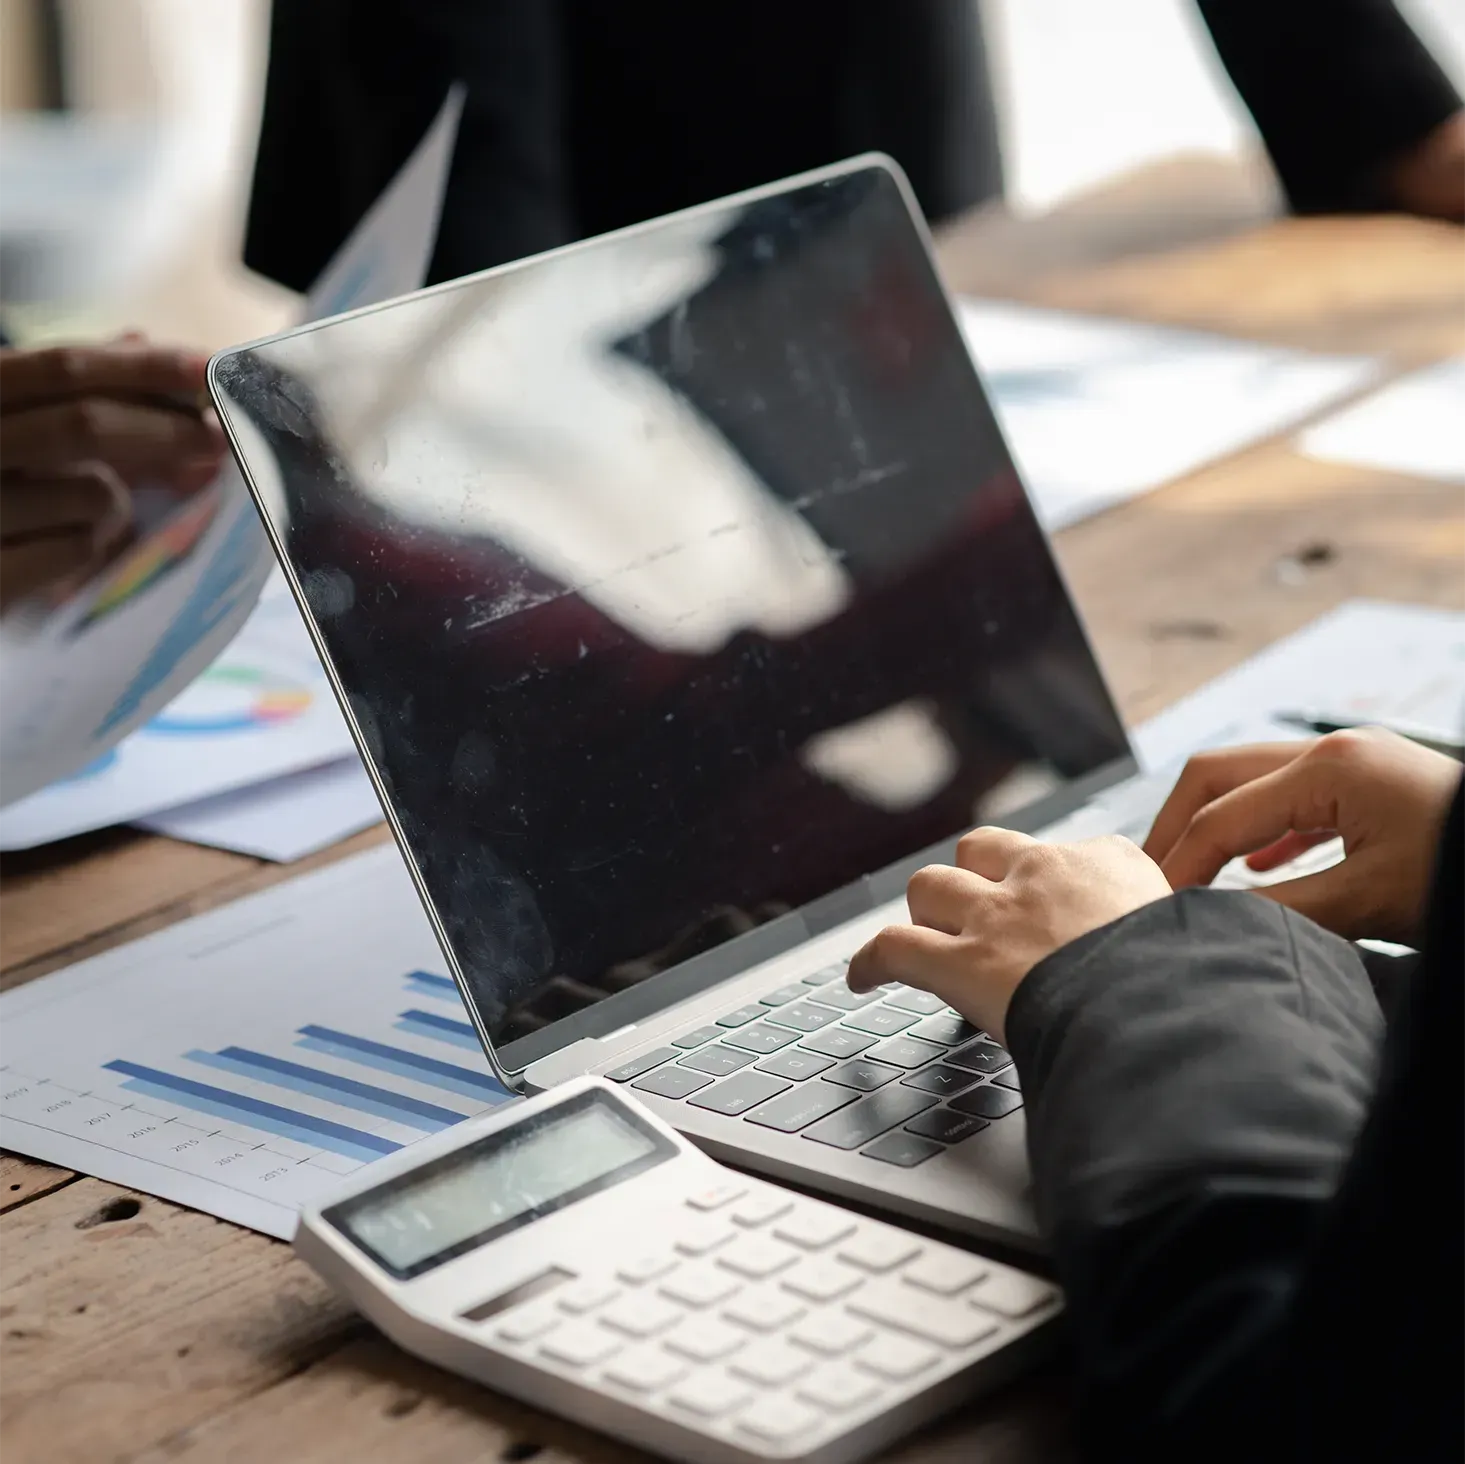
642,1064
903,1150
702,1234
771,1362
741,1017
801,1107
737,1094
920,1002
944,1272
945,1126
987,1102
879,1250
795,1063
882,1020
830,1333
981,1057
838,1042
762,1038
906,1052
527,1323
699,1286
863,1074
645,1369
585,1296
941,1080
674,1081
763,1311
756,1256
580,1344
715,1196
697,1037
870,1117
812,1229
822,1280
838,1389
776,1419
708,1393
837,994
640,1316
645,1268
923,1315
1012,1294
804,1016
896,1357
704,1339
719,1060
946,1029
782,995
760,1207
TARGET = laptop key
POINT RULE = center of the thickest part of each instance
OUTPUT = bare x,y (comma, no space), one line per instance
838,1042
837,994
741,1017
987,1102
981,1057
804,1016
870,1117
795,1063
673,1081
697,1037
945,1126
861,1073
739,1093
920,1002
1009,1079
719,1060
902,1149
946,1029
642,1064
805,1105
783,994
762,1038
827,973
882,1020
941,1080
906,1052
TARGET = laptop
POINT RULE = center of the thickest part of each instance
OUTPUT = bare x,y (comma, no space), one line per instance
683,599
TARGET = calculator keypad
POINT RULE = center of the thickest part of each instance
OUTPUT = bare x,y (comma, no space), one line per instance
772,1319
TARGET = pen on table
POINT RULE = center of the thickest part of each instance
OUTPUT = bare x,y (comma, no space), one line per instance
1430,737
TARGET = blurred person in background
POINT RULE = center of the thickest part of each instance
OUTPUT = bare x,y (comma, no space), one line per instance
586,115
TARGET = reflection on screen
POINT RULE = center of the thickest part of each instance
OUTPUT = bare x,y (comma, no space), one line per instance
675,581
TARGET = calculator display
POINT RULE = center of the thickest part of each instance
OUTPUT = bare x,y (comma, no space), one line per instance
462,1200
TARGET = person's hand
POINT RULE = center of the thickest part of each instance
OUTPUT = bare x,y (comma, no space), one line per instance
79,427
1429,179
978,929
1385,796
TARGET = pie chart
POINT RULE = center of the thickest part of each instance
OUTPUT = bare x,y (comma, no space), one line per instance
232,699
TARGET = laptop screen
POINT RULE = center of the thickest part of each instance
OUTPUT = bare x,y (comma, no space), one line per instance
674,582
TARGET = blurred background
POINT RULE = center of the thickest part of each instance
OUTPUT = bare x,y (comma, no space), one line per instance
128,131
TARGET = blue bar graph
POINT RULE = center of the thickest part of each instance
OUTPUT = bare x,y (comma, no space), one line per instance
424,983
404,1064
442,1029
317,1083
269,1118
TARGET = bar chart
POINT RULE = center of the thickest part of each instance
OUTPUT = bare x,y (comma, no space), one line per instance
243,1061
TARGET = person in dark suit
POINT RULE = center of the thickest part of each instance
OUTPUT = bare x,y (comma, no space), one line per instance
1247,1159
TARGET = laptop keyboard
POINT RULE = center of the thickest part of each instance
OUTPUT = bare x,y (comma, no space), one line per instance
894,1074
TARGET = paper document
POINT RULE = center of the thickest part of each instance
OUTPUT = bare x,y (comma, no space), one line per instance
286,818
73,683
242,1061
1413,425
1098,411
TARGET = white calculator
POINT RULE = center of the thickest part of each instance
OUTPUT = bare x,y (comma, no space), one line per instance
577,1253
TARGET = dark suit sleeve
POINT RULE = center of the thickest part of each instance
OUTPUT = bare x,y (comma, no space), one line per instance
1194,1077
1338,88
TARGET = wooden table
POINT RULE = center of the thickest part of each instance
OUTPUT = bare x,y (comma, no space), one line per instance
135,1329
